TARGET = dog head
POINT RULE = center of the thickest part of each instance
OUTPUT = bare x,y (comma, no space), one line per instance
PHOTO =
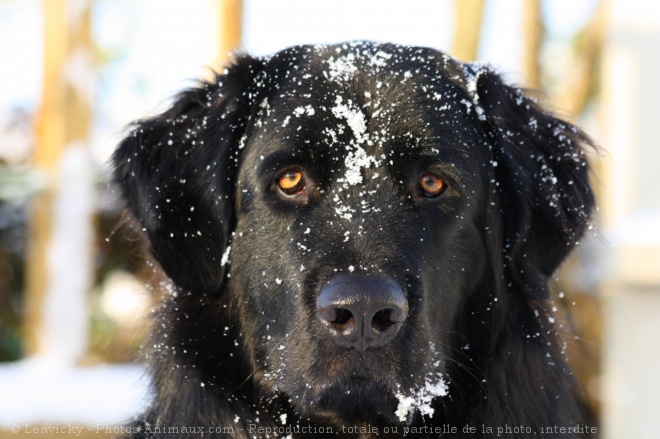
366,213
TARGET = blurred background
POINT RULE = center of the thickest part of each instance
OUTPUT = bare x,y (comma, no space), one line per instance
76,288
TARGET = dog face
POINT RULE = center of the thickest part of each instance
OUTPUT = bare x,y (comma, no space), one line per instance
362,189
362,220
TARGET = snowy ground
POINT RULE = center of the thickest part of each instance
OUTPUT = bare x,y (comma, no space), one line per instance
36,392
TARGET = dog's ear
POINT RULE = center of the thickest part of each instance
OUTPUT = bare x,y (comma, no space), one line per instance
542,175
176,172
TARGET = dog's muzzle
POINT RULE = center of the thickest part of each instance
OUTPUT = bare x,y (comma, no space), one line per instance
361,311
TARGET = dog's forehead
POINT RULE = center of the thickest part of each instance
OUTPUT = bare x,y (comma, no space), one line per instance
362,101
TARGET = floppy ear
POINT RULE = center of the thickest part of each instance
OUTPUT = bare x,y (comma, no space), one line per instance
176,172
542,174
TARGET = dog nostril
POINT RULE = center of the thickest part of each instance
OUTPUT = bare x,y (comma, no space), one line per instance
343,320
382,320
342,316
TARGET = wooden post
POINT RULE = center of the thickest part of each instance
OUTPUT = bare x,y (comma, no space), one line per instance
582,80
532,36
231,28
63,121
468,17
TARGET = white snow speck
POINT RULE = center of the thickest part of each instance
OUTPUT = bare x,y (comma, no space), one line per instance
344,211
300,111
354,117
356,158
225,257
342,68
380,58
420,399
406,406
355,161
241,143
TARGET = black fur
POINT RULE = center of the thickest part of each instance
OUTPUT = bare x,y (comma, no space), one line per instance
237,344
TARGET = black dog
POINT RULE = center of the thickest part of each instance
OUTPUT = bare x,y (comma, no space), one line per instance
360,238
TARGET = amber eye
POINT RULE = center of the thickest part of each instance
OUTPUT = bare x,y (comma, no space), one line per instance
431,185
291,182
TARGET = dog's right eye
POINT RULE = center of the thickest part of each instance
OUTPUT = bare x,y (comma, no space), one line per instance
431,185
291,182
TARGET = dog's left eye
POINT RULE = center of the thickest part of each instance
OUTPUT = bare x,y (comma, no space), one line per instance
291,182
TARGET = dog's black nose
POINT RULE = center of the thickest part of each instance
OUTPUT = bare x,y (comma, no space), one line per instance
362,311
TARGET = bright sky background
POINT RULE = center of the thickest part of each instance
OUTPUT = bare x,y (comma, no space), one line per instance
156,47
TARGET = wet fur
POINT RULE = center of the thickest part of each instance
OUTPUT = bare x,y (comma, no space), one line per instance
238,343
